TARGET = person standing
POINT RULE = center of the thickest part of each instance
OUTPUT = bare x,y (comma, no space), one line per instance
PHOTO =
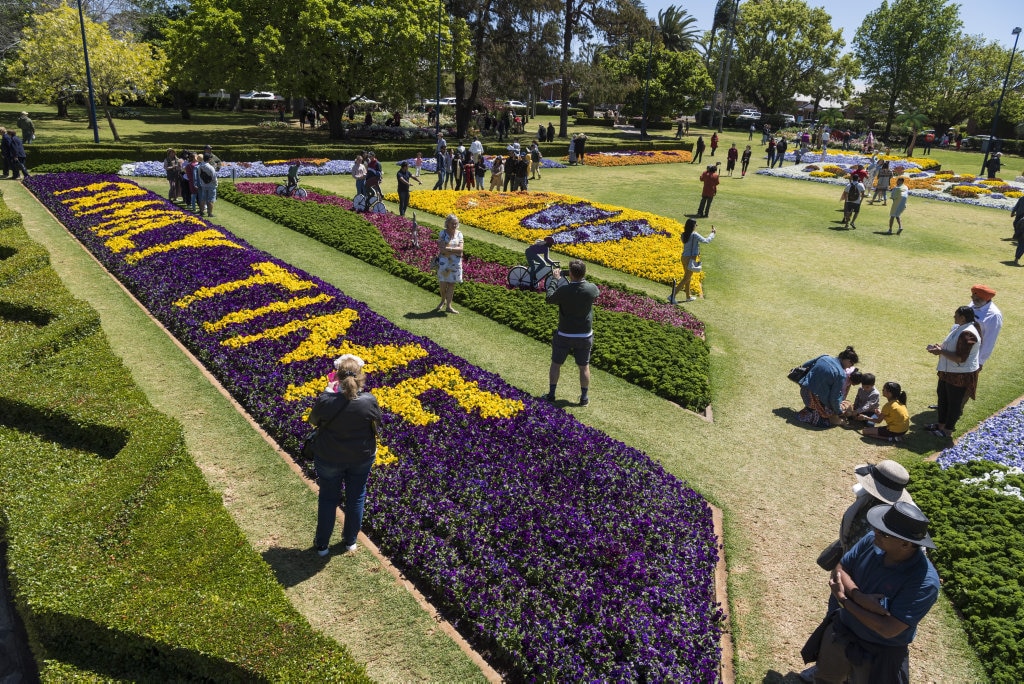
698,150
881,589
691,240
28,129
16,156
189,181
449,262
476,148
207,179
883,176
780,152
745,161
753,127
348,420
1017,214
714,143
710,180
405,179
898,195
730,159
957,370
535,160
172,168
988,319
439,163
359,175
575,333
214,159
551,132
770,152
993,164
497,172
5,151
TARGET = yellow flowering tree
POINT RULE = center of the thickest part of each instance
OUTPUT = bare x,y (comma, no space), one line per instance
51,63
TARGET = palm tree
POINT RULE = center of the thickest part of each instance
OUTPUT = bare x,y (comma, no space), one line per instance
676,28
915,121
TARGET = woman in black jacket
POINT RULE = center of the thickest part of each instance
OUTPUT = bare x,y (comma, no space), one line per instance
348,419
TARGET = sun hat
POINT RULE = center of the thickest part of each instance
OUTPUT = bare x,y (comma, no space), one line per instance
983,292
902,520
886,481
345,357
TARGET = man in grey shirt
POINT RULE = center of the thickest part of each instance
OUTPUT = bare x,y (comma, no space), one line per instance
575,299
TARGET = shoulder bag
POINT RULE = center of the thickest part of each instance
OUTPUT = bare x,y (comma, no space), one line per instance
797,374
309,445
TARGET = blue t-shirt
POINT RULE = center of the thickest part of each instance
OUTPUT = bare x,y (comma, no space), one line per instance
912,587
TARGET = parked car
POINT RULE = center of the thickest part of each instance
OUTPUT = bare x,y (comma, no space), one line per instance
515,104
788,119
749,115
261,95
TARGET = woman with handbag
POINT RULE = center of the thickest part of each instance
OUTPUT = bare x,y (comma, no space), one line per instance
347,419
691,258
823,387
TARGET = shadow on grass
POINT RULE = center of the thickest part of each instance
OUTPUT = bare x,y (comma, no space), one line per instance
773,677
292,567
417,315
62,429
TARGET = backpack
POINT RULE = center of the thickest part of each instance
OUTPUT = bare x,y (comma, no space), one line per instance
206,174
374,172
853,193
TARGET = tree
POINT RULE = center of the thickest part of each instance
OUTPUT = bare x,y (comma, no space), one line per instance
53,66
678,80
969,83
337,51
677,29
782,48
915,121
901,46
832,84
576,16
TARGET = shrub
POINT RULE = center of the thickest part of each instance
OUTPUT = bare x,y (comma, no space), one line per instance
123,564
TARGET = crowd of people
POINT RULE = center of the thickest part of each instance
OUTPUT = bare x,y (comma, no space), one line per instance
192,178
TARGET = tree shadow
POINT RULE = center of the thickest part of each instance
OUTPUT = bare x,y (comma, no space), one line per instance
294,566
18,313
63,429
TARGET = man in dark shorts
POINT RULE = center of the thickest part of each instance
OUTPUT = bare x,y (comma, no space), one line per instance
575,299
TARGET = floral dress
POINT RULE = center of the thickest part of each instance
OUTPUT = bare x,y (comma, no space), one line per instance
449,266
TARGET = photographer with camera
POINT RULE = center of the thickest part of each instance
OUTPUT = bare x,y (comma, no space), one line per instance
710,180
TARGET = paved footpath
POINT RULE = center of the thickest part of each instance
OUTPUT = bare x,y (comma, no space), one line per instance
16,664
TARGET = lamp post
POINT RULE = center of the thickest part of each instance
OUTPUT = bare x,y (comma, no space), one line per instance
999,104
647,85
437,99
728,60
88,78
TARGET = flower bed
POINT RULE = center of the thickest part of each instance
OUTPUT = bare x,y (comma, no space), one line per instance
429,164
254,169
498,504
972,496
641,340
627,240
947,186
636,158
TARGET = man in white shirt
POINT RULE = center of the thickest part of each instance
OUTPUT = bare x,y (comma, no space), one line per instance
988,317
477,150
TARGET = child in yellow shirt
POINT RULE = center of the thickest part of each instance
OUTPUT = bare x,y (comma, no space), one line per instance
894,414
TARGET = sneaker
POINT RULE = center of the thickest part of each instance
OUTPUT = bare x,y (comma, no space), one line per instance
691,299
584,401
351,547
322,551
548,397
671,300
895,440
899,231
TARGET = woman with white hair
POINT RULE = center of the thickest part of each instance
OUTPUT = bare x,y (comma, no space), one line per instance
347,419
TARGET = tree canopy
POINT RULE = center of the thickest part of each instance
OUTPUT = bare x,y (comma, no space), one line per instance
677,80
902,46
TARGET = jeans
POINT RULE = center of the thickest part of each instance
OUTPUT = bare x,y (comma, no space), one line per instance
439,185
360,186
330,478
403,202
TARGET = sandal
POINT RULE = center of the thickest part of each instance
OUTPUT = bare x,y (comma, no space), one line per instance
931,426
939,433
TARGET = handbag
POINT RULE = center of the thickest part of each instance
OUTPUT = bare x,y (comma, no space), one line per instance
307,450
797,374
694,264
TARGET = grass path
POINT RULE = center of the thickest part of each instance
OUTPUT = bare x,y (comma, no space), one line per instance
782,287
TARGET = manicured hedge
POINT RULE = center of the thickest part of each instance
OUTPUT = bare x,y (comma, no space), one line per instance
84,166
123,564
668,361
979,535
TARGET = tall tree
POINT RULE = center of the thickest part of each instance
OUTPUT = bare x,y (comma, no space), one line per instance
673,80
969,82
577,16
677,29
833,84
901,46
781,48
52,65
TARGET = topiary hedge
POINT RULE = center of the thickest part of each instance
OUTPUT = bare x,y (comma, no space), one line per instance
979,538
669,361
123,564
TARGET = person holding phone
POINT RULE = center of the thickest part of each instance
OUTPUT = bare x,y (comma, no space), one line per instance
691,240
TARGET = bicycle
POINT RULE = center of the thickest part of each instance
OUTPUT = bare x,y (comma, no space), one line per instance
371,202
519,276
291,189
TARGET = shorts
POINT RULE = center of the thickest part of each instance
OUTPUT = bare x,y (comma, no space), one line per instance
579,346
886,432
852,207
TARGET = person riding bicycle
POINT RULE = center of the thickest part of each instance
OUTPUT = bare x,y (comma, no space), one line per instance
373,175
293,179
537,256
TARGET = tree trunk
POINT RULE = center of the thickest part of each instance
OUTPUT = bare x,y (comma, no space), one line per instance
113,128
62,109
567,30
335,108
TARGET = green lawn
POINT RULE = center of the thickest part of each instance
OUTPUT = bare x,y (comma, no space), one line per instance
783,285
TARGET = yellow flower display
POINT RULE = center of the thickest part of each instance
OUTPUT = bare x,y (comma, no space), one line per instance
636,158
655,255
403,398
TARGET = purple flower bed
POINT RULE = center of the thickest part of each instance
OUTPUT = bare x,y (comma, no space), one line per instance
254,169
999,439
607,232
562,553
397,232
558,215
